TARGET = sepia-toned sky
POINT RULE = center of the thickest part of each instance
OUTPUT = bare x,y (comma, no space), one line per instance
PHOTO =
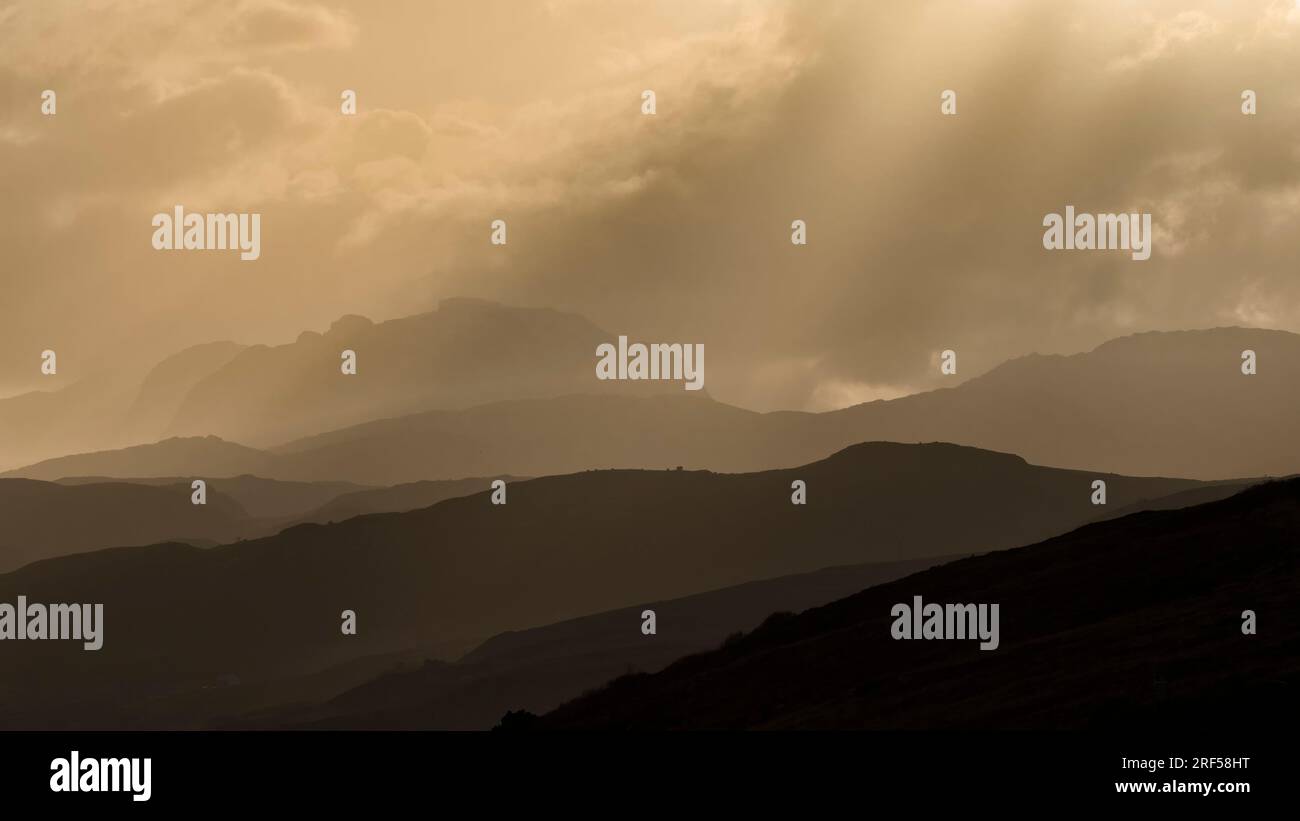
924,231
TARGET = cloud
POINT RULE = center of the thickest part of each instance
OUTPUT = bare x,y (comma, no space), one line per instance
838,393
273,25
1164,35
924,231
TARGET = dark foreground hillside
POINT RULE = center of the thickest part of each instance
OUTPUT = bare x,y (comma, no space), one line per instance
539,669
1135,622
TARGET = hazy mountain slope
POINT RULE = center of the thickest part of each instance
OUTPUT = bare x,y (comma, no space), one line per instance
397,498
67,417
1169,403
1135,621
1133,402
563,435
563,547
537,669
269,499
44,519
166,385
468,352
198,457
273,504
102,410
1209,492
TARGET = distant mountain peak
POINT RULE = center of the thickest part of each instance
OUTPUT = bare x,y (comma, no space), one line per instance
1223,333
348,324
948,450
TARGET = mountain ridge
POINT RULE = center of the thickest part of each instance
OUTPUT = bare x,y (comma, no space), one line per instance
1123,406
1156,640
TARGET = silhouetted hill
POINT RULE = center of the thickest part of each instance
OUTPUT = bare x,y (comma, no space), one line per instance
1209,492
562,435
1127,623
397,498
43,519
537,669
199,457
275,501
466,353
563,547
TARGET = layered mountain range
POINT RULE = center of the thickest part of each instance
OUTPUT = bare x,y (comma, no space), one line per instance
477,389
370,494
183,619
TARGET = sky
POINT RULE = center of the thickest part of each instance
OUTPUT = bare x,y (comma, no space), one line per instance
924,230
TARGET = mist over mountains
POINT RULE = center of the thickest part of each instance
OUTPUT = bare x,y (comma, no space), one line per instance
487,405
467,352
165,388
85,415
1161,403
